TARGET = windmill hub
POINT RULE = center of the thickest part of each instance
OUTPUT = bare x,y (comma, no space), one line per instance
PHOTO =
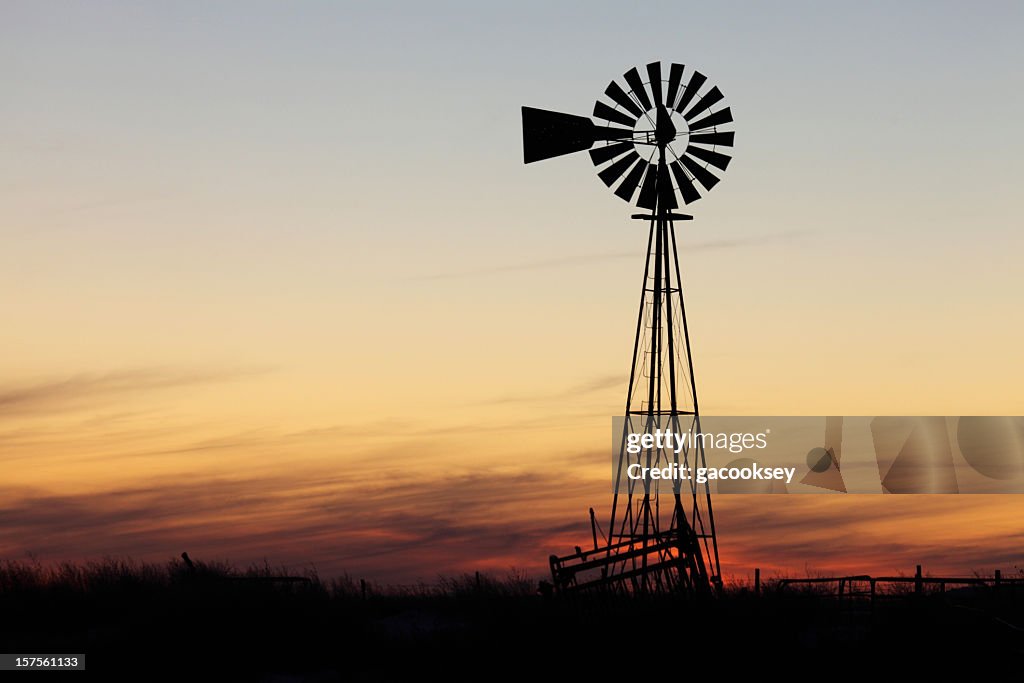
665,131
660,127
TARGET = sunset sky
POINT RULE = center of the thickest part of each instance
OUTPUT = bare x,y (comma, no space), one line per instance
276,285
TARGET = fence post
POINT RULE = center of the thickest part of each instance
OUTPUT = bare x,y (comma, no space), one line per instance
918,583
757,581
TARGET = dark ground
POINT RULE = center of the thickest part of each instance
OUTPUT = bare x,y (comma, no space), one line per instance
169,622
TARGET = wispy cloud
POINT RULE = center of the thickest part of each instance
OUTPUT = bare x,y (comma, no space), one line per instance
395,529
591,386
870,534
545,264
56,217
403,525
408,527
590,259
85,389
752,241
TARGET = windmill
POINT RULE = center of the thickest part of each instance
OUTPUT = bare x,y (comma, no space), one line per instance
657,143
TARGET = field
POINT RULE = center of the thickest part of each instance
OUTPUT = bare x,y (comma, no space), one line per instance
177,621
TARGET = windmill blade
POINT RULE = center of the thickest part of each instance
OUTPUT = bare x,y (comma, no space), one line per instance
716,159
619,96
636,83
724,139
703,175
666,193
629,185
716,119
654,75
714,95
600,155
696,81
613,172
603,111
686,188
675,77
648,198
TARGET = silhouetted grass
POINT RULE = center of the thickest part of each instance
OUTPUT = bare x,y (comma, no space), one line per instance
162,621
